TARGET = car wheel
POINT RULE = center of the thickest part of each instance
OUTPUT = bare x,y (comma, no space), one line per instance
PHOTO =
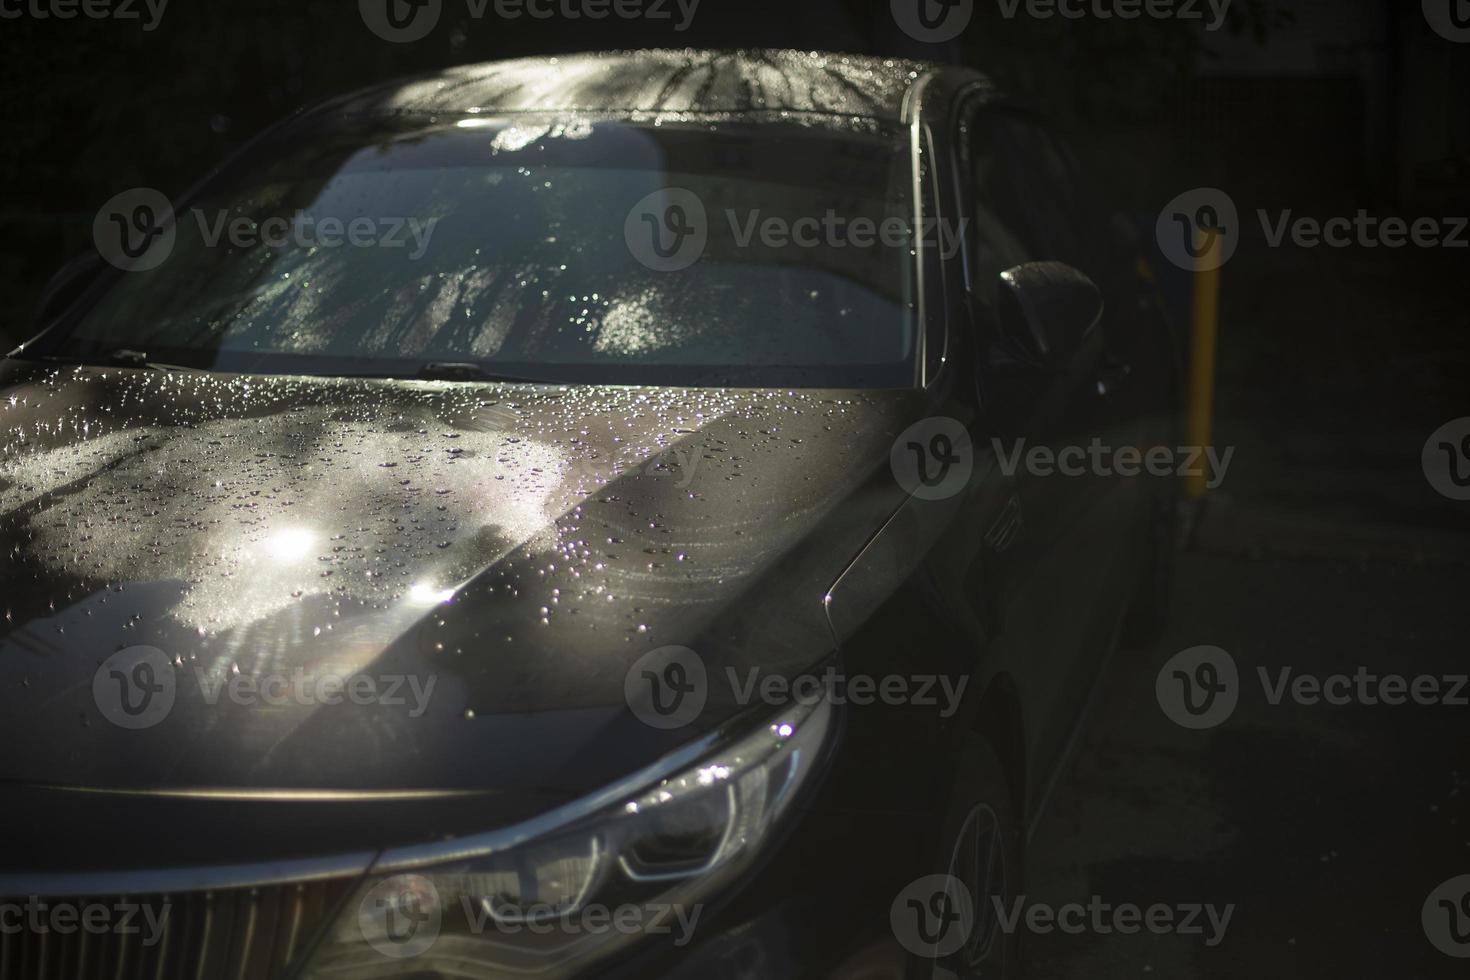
980,847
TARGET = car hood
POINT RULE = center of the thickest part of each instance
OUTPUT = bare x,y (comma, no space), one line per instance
484,562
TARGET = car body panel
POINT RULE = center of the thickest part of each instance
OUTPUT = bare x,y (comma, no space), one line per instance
142,508
666,81
266,526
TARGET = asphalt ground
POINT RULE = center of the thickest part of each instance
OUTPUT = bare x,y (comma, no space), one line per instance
1327,827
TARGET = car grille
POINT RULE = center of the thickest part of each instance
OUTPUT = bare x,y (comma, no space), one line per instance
243,934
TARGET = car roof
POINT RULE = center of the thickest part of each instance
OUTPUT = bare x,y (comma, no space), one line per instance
658,82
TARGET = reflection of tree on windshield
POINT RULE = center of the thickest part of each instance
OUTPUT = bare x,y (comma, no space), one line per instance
505,244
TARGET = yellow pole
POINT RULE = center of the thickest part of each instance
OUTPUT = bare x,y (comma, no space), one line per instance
1204,329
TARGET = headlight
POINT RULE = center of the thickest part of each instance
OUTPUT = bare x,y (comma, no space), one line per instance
549,903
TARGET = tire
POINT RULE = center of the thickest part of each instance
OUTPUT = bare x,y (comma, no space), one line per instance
980,818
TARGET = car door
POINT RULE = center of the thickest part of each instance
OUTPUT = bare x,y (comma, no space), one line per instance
1057,587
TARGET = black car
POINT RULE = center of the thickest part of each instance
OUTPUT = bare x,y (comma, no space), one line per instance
569,517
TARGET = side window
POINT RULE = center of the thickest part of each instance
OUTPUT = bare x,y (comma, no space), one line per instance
997,240
1028,202
1026,205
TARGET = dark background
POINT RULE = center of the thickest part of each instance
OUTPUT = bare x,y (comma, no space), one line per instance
1325,548
1330,103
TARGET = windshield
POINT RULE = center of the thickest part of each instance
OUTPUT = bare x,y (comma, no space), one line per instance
558,249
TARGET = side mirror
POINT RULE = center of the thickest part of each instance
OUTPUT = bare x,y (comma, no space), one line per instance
1048,310
66,286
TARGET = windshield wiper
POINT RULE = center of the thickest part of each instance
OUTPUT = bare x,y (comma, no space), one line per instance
465,371
124,357
127,357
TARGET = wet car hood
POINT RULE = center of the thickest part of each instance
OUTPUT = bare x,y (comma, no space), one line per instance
498,555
